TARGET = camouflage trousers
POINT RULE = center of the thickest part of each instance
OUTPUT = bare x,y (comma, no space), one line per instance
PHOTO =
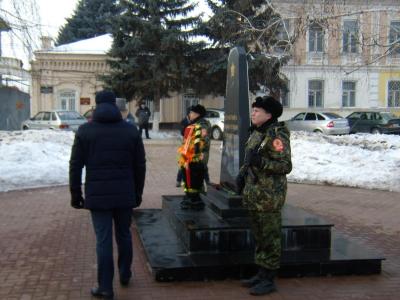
266,227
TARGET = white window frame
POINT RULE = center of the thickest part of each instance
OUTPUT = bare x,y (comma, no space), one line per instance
397,51
283,32
352,36
393,94
68,100
316,40
348,94
315,93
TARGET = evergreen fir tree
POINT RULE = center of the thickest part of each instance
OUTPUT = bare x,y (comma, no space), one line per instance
91,18
256,27
152,54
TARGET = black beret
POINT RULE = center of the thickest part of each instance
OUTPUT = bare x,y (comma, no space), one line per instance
270,105
198,109
105,97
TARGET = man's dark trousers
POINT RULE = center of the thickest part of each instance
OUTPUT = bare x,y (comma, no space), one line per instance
144,126
103,224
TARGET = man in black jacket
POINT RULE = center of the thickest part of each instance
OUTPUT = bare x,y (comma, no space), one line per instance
143,115
113,154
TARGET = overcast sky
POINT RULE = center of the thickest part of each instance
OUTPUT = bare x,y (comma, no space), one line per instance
53,15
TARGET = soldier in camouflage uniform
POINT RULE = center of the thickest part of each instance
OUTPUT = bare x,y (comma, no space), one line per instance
193,157
262,179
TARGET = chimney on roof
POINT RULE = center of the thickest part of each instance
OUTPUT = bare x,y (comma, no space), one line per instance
46,42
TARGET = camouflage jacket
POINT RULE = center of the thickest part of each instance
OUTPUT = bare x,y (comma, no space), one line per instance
266,185
205,124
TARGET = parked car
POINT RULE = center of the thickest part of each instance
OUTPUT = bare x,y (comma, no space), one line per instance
374,122
216,119
320,122
55,119
89,115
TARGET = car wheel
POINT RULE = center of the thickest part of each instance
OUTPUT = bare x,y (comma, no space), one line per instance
318,131
375,131
216,133
25,128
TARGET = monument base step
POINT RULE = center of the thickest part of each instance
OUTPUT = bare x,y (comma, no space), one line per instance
206,231
170,261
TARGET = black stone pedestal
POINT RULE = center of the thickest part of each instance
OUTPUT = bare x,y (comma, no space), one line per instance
217,243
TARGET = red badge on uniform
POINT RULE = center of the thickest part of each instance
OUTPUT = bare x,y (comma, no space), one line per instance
278,145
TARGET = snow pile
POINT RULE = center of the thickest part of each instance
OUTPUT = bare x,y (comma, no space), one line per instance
40,158
360,160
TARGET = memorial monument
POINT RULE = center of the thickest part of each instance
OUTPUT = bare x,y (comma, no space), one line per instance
236,125
217,242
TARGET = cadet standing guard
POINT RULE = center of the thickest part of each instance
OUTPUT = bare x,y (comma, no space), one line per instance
262,179
193,157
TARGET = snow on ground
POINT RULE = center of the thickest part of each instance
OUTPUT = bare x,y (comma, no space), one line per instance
40,158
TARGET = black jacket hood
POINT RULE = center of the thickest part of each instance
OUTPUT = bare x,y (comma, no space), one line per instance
106,113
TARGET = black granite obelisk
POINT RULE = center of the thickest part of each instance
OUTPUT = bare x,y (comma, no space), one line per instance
237,118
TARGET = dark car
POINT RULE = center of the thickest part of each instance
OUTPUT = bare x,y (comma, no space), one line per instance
373,122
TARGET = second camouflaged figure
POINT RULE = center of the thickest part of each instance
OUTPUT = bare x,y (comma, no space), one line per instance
262,178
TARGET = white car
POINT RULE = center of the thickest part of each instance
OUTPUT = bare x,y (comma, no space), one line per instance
319,122
216,119
55,119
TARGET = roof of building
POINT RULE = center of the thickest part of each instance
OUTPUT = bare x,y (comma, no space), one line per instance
97,45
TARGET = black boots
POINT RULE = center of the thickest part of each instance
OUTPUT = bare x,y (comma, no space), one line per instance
262,283
261,274
193,202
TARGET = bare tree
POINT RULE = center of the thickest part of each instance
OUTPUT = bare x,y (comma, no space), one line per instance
23,19
373,45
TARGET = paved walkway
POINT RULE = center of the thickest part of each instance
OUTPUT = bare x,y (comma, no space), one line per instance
47,249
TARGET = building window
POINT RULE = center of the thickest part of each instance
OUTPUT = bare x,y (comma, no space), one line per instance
285,97
315,93
350,36
67,100
394,37
188,101
315,38
348,94
282,37
394,94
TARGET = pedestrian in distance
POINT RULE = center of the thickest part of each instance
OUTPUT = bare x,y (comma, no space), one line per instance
192,158
262,180
113,155
143,115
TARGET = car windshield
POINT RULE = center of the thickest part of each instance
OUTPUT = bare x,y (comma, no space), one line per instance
388,116
333,116
69,115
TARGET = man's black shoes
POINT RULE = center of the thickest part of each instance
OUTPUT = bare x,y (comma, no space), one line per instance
124,281
97,293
